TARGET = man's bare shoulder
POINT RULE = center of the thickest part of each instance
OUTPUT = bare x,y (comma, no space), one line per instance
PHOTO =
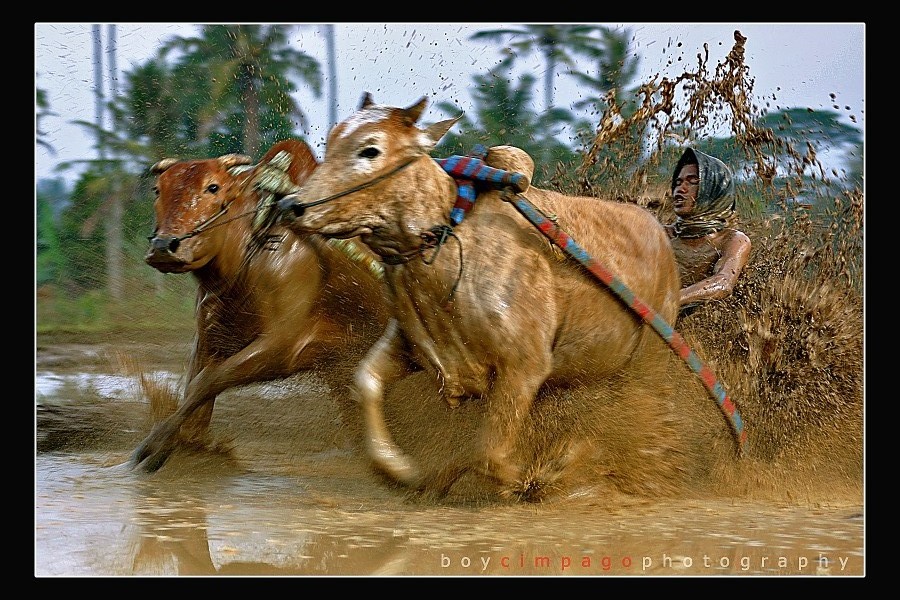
731,236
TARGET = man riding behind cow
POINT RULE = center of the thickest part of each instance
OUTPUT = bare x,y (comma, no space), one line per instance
711,254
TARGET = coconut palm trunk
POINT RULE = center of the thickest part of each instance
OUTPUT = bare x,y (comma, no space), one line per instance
114,266
332,76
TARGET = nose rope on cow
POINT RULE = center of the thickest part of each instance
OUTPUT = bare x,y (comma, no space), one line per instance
267,183
435,237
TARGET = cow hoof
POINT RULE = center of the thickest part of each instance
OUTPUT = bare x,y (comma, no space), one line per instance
390,459
148,460
151,454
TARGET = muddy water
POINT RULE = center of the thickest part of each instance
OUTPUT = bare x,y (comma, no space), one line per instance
284,494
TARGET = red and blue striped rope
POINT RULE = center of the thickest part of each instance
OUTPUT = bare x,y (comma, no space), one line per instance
465,170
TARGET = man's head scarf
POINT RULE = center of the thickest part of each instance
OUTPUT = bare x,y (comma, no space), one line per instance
714,206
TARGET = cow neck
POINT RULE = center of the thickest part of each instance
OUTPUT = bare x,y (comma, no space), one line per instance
465,171
432,238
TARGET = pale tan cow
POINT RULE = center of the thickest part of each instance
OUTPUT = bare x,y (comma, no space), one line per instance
495,313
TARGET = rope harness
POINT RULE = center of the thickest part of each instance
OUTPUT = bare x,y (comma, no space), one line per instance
273,182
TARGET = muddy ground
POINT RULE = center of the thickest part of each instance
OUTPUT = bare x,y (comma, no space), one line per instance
284,491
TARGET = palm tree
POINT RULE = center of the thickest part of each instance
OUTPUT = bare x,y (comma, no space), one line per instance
556,43
153,119
51,195
43,110
98,86
617,68
332,76
242,73
114,266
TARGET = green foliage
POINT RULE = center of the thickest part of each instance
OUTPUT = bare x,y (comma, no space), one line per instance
158,119
801,125
229,136
502,117
43,111
616,69
242,73
558,44
48,252
72,292
80,236
807,133
59,310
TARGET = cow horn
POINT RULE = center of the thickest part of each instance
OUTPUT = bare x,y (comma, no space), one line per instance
411,115
436,131
233,160
163,165
366,101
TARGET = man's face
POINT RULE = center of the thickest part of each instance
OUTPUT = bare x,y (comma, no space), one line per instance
684,195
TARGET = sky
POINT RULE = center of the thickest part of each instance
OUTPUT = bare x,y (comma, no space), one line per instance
792,65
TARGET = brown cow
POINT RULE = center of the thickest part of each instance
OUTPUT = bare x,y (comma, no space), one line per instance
519,316
269,303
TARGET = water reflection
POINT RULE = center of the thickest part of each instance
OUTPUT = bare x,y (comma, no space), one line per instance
201,532
93,518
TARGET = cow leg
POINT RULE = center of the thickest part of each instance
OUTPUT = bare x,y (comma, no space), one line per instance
201,356
384,364
256,362
197,426
199,400
511,397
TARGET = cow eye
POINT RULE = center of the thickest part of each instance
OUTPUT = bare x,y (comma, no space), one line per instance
370,152
213,188
156,191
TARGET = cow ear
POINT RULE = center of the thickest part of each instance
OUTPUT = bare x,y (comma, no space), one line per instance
438,130
366,101
163,165
412,114
232,160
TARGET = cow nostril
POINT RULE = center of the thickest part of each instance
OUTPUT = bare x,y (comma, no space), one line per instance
289,205
165,243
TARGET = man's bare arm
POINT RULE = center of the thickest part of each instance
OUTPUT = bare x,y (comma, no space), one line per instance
735,254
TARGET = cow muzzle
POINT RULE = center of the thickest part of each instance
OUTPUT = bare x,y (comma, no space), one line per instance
290,208
164,243
161,254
